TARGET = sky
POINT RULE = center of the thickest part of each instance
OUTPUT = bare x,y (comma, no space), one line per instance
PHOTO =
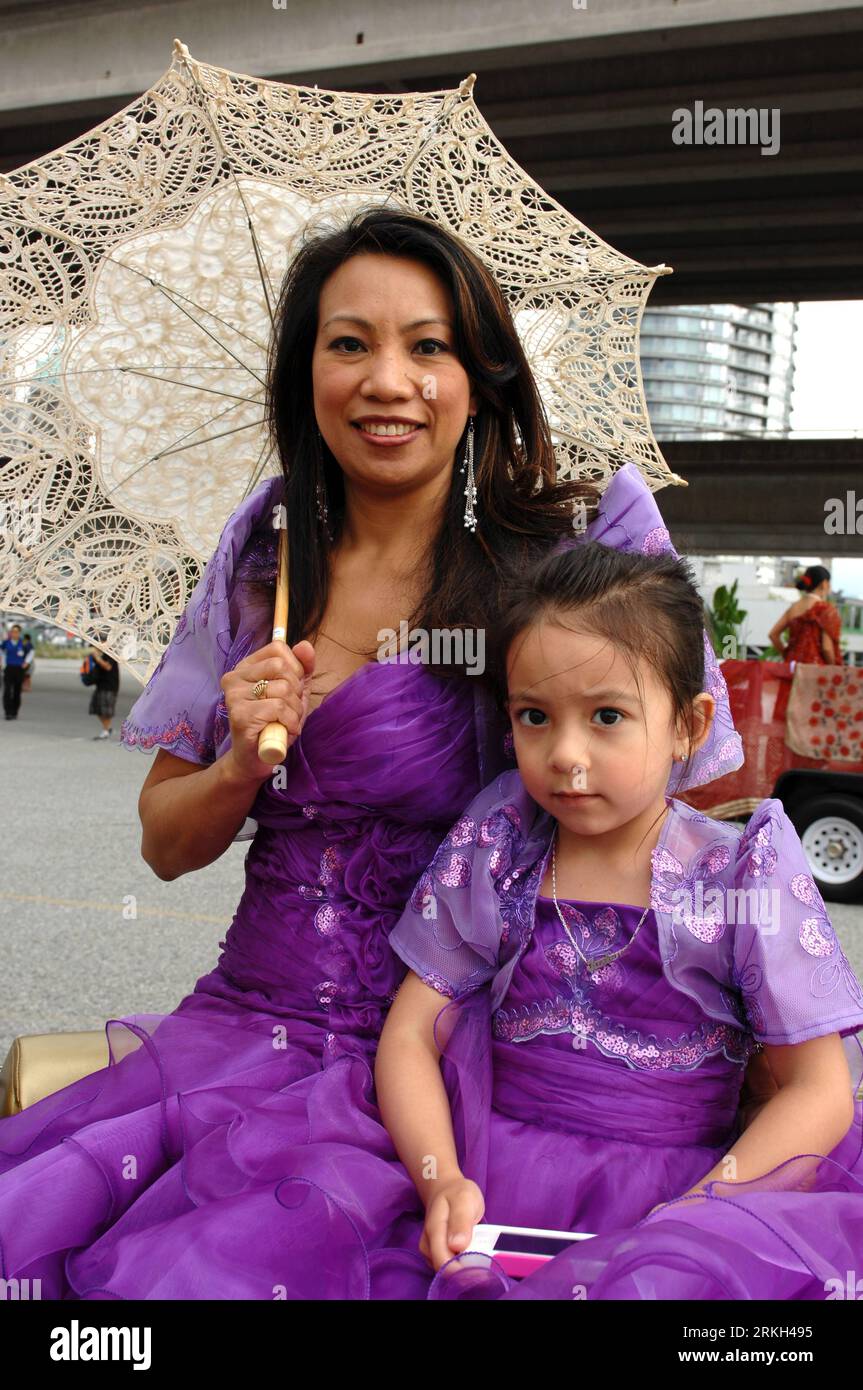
828,392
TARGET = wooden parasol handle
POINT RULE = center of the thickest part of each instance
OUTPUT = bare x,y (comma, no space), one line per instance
273,738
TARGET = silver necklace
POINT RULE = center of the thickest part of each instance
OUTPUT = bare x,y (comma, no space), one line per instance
593,964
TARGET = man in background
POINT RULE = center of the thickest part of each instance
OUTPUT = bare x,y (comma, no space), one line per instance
14,654
104,697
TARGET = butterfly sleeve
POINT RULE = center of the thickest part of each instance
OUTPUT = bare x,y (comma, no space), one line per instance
793,977
451,930
182,707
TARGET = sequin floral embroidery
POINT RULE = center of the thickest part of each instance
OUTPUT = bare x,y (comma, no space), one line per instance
656,542
695,898
640,1051
517,900
177,733
217,567
451,866
327,917
817,937
745,1003
259,562
596,936
756,852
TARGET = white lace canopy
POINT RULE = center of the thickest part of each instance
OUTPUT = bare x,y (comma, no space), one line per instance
134,321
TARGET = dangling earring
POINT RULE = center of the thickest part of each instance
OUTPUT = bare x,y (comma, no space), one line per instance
323,514
470,487
321,492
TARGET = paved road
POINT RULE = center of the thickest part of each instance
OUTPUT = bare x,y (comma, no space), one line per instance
69,857
70,854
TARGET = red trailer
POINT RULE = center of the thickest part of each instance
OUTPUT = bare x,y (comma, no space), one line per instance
810,757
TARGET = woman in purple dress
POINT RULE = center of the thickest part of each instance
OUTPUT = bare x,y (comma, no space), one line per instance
614,958
224,1152
397,385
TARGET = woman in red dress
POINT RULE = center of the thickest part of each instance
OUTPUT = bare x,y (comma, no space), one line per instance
813,627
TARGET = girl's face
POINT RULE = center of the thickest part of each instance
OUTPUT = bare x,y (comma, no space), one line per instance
591,750
385,351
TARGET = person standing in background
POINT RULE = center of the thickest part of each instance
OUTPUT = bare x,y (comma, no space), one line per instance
29,661
104,697
14,653
814,629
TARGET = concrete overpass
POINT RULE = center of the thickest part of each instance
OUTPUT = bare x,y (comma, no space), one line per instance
766,496
584,100
582,97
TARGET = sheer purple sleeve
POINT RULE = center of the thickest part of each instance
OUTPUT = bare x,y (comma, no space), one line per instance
182,707
794,979
451,931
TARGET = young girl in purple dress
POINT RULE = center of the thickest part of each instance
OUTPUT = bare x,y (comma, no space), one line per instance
614,959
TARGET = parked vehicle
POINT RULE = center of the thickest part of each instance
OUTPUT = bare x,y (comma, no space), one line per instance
823,796
826,808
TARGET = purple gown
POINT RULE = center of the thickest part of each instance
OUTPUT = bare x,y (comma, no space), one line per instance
382,767
618,1090
233,1147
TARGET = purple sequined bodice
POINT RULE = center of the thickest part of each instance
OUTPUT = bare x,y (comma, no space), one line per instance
624,1010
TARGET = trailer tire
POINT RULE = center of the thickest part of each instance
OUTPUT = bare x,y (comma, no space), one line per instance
831,831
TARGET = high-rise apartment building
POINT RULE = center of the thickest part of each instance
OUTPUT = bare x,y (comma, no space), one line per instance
718,371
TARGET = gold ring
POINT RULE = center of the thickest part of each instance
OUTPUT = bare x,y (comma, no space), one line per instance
259,689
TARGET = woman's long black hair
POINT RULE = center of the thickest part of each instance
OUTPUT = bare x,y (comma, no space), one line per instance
521,507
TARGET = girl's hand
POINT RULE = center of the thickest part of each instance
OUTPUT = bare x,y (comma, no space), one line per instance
450,1218
288,670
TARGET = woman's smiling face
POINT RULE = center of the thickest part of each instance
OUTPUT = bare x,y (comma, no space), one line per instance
385,352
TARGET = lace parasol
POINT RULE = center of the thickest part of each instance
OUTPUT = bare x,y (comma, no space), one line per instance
139,268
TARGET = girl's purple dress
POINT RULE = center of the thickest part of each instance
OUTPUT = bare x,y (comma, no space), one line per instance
582,1100
233,1148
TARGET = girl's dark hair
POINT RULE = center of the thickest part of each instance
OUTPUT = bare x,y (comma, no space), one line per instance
646,605
521,507
811,578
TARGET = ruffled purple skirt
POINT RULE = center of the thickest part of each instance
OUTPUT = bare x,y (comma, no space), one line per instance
262,1182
